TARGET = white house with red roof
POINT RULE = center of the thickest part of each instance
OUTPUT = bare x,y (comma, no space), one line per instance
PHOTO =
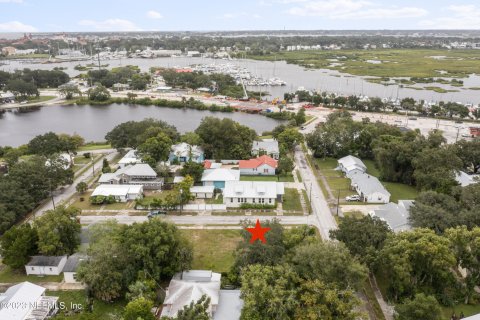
261,166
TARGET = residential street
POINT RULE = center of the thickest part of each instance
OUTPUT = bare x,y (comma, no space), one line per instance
321,211
203,220
64,194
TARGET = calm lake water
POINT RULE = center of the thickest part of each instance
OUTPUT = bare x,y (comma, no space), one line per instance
93,122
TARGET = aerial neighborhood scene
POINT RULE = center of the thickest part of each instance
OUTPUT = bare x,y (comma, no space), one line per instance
255,160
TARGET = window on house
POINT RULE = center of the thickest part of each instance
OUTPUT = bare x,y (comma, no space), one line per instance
50,269
269,200
33,268
238,199
253,200
231,200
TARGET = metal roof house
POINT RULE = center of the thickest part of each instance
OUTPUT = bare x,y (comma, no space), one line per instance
350,163
138,174
27,301
131,157
219,177
368,187
395,215
183,152
121,192
267,146
45,265
465,179
190,286
263,166
254,192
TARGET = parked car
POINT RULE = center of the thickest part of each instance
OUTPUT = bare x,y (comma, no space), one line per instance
412,118
156,213
303,128
466,135
354,197
458,121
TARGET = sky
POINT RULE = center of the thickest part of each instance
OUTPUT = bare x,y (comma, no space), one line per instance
206,15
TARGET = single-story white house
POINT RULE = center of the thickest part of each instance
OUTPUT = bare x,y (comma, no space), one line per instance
189,286
178,179
46,265
137,174
464,179
218,177
368,187
350,163
121,192
202,192
70,268
267,146
261,166
131,157
254,192
395,215
27,301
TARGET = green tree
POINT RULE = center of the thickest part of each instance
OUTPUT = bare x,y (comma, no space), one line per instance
469,152
22,88
300,117
98,93
182,190
81,187
225,138
58,231
46,144
329,262
139,309
141,289
417,259
290,138
285,165
158,148
364,237
69,91
191,138
421,307
193,169
106,166
17,245
195,311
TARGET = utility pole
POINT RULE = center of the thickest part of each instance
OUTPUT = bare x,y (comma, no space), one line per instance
458,132
93,167
338,200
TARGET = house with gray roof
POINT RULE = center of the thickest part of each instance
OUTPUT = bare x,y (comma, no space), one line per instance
395,215
350,163
368,187
189,286
27,301
130,158
71,266
45,265
138,174
266,146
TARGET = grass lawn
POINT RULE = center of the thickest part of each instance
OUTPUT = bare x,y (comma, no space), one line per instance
372,301
213,249
291,200
101,310
28,56
279,178
94,146
468,310
307,200
86,205
399,191
299,176
219,200
8,275
41,99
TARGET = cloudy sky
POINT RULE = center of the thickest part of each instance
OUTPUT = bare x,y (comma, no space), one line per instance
160,15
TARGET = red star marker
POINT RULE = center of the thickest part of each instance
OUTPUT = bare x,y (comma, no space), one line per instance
258,232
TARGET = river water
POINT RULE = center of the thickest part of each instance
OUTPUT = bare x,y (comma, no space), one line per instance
93,122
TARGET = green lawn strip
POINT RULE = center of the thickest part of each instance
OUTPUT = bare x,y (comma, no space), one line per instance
213,249
94,146
291,200
299,176
372,301
7,275
41,99
467,309
101,310
307,201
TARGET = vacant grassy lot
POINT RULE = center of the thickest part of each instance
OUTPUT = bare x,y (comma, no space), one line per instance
94,146
291,200
279,178
101,310
213,249
7,275
394,62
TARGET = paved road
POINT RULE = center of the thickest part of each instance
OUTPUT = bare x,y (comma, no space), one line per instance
64,194
451,130
203,220
321,211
